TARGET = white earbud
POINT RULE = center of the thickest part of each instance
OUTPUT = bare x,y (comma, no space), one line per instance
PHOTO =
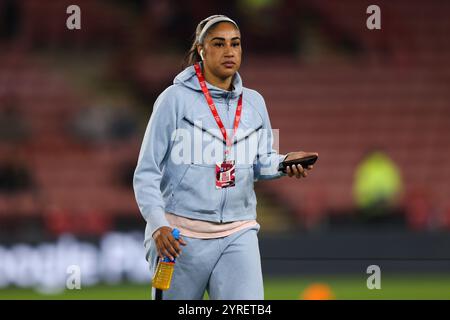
201,54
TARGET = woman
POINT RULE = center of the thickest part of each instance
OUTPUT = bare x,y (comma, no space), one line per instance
204,186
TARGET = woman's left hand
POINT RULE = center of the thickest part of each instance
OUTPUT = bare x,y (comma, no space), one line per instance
298,171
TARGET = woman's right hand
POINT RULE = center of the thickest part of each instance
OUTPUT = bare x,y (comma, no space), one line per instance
166,244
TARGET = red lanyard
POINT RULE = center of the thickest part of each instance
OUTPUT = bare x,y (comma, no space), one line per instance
213,109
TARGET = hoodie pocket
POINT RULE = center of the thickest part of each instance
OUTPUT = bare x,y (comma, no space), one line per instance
197,191
241,197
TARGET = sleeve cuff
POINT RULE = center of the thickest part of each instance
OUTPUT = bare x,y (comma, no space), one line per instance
156,221
281,159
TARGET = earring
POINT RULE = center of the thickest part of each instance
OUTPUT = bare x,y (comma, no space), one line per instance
201,54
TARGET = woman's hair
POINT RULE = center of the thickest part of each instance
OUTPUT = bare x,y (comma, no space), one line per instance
192,55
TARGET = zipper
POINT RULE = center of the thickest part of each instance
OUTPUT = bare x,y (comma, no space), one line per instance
225,192
222,202
224,199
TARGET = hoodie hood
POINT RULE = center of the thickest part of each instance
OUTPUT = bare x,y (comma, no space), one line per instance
188,78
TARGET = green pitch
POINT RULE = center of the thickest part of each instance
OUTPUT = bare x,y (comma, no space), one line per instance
341,287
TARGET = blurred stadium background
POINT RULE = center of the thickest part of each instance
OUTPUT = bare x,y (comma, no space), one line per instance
74,106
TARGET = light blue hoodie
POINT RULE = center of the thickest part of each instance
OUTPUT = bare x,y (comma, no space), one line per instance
162,183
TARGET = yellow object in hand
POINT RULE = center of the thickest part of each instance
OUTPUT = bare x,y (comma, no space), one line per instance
163,275
164,270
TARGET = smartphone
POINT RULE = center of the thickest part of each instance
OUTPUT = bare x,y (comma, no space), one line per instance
305,162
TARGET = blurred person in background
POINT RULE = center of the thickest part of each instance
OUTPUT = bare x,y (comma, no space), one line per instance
212,204
10,20
13,127
103,123
15,175
377,187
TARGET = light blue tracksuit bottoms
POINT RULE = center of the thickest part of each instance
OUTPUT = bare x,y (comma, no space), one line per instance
228,268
